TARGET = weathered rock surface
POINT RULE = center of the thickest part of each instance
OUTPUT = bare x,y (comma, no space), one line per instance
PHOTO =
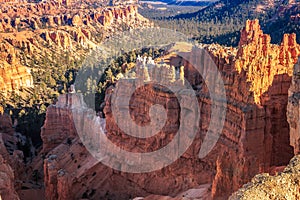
14,77
284,185
17,177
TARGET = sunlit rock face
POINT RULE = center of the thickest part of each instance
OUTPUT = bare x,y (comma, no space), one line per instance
13,75
256,131
263,60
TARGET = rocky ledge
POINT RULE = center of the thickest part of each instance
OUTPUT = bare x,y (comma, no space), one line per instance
284,185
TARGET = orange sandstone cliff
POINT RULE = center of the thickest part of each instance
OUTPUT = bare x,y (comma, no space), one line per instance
284,184
263,60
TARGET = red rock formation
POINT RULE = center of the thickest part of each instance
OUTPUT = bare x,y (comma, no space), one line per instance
35,16
76,21
6,125
256,81
73,155
266,68
54,132
15,174
106,18
61,39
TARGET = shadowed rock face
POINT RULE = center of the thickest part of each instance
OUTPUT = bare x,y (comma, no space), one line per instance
9,160
255,136
293,109
7,190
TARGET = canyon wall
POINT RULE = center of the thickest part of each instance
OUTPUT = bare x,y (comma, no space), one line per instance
256,131
260,91
255,137
21,17
62,183
272,187
14,78
262,60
